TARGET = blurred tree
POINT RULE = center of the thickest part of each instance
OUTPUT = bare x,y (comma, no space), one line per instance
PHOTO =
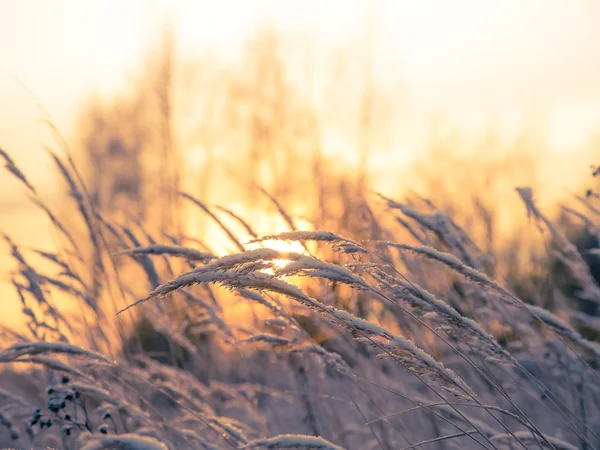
129,148
113,141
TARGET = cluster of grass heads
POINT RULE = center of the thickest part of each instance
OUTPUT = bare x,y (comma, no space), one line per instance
395,339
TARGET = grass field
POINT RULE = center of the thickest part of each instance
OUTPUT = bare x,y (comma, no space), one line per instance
401,335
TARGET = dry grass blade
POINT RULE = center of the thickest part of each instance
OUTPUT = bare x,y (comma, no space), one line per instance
12,168
156,249
124,442
293,441
205,208
245,224
454,263
555,443
288,219
225,271
267,339
564,329
36,348
440,439
338,243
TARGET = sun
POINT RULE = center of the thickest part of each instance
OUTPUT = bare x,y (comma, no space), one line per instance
282,247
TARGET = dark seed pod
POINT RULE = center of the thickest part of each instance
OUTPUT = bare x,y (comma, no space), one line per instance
54,407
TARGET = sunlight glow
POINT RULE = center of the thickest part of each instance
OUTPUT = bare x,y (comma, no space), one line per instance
282,247
518,69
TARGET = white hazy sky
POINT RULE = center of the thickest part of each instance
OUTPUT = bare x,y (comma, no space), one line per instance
476,62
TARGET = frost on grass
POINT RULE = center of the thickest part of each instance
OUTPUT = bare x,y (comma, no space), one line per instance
443,226
230,278
231,274
239,260
124,442
293,441
443,315
405,352
564,329
451,261
567,253
267,339
313,267
36,348
527,438
170,250
337,242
